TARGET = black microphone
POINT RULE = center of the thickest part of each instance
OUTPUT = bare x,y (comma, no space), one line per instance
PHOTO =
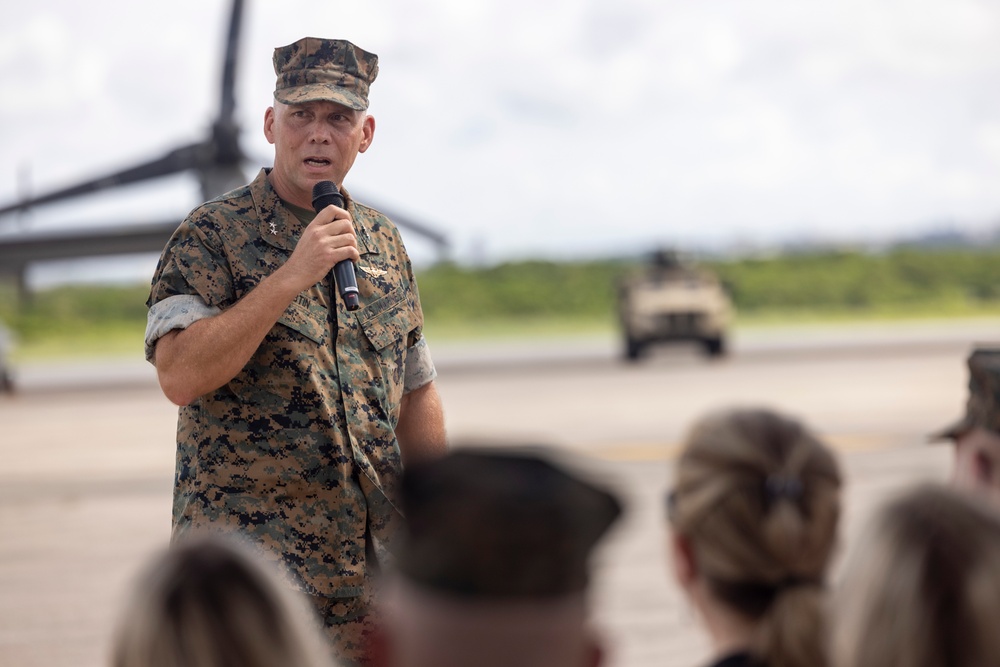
324,194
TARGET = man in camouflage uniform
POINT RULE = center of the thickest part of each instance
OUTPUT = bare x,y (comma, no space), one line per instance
977,434
296,414
494,565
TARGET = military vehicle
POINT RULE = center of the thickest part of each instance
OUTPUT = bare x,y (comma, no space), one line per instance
673,300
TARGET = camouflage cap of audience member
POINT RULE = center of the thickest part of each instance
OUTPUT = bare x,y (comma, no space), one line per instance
502,526
982,410
332,70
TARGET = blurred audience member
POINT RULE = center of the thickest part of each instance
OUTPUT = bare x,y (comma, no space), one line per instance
753,515
6,345
922,588
207,603
494,568
977,434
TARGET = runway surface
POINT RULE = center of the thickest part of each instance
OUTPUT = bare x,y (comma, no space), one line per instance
88,457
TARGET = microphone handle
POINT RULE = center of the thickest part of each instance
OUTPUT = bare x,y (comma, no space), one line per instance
326,193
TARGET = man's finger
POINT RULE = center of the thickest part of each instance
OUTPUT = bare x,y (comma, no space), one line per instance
343,241
330,214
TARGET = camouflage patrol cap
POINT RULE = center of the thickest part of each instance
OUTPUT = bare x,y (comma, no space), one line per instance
982,409
491,525
333,70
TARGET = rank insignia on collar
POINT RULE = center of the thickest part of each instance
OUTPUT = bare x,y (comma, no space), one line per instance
274,228
374,273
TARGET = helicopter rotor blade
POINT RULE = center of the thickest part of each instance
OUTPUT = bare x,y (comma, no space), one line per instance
180,159
217,160
227,104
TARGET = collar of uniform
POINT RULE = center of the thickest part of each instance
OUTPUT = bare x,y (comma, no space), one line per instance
286,227
362,225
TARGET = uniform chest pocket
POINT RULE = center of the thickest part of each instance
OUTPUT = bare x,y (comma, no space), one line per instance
309,320
290,359
389,319
386,324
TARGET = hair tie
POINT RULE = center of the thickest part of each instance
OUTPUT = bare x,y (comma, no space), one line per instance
754,598
797,582
783,486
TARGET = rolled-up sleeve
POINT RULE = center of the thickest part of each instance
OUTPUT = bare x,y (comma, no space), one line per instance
174,312
192,280
418,367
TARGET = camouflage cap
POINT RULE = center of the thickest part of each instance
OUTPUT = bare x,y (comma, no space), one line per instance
982,409
484,524
333,70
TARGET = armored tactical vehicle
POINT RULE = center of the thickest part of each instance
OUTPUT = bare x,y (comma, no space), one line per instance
673,300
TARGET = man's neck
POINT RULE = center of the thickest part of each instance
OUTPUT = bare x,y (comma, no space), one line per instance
286,195
305,215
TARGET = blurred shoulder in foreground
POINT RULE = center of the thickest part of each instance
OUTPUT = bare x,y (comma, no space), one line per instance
922,587
207,602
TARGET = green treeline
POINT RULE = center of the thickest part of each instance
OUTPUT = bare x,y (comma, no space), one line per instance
822,283
72,309
532,289
854,282
901,283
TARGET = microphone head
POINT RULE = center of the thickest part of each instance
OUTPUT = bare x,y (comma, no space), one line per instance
325,193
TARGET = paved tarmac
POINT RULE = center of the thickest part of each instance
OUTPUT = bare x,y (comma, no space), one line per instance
88,456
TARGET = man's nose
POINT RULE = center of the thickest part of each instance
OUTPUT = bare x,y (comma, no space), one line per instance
319,133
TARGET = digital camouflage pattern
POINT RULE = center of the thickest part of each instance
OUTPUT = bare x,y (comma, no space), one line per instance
351,625
298,451
982,409
314,69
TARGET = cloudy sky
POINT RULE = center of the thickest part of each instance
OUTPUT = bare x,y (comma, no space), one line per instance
549,129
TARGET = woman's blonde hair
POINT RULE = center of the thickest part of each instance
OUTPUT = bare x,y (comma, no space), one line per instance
757,497
207,602
922,588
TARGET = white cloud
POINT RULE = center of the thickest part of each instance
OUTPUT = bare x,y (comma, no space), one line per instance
544,127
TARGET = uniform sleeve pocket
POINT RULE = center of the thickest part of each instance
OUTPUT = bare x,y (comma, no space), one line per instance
310,321
389,319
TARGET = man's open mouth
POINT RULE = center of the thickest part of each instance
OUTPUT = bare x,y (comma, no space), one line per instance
317,162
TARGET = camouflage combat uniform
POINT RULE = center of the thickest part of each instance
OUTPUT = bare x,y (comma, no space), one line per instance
298,451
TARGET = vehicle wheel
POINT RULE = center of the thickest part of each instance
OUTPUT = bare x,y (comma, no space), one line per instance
715,347
633,349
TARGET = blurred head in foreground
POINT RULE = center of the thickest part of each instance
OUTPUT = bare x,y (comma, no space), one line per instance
494,567
753,515
977,433
206,602
922,588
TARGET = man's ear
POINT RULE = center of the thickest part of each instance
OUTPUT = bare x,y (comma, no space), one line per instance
269,125
368,133
682,559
